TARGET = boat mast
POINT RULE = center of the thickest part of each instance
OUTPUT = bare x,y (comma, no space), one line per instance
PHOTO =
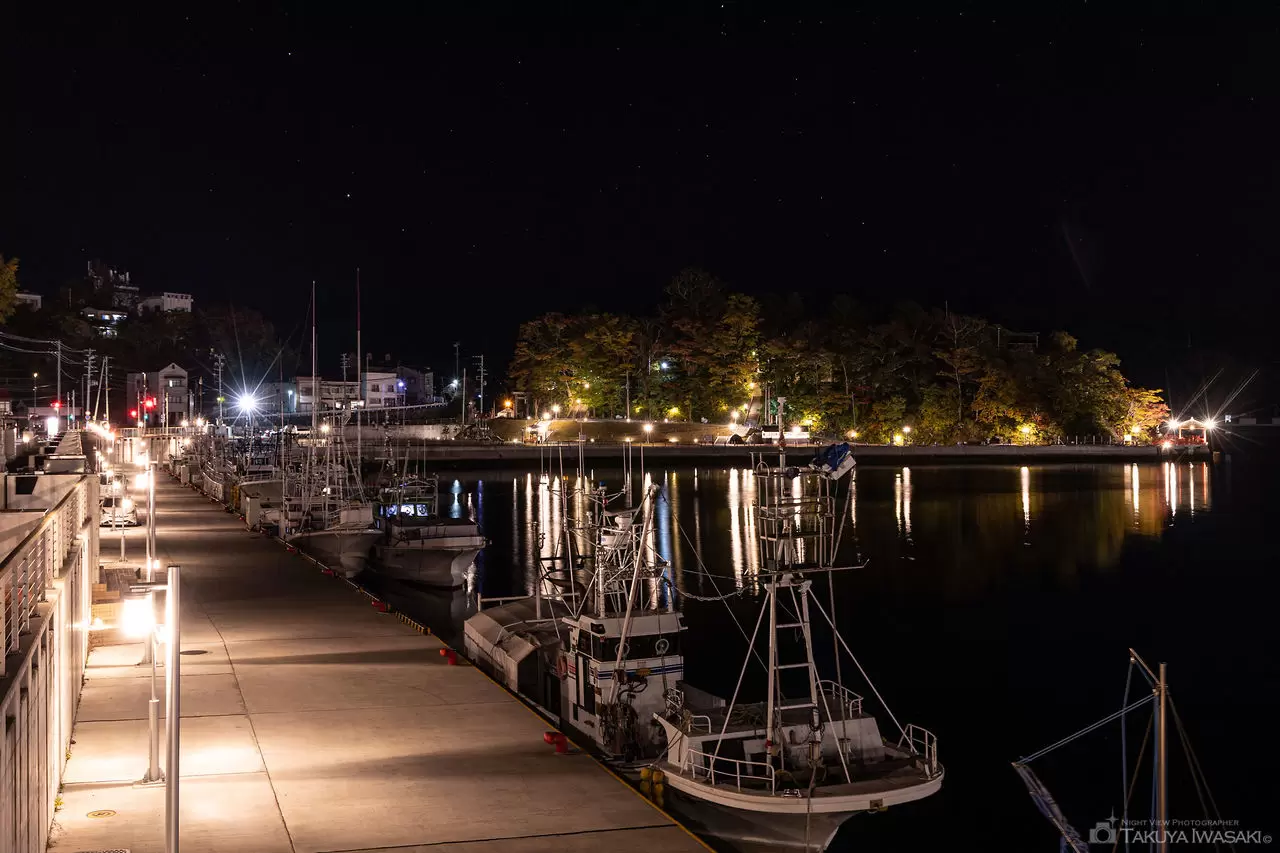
315,384
1162,755
309,478
360,396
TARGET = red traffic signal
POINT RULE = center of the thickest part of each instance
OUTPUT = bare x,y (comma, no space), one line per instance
133,413
57,404
151,402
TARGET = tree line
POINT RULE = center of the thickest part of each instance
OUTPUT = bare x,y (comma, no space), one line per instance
147,341
709,352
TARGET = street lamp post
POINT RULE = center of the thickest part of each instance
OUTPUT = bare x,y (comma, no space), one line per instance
35,398
152,559
139,620
173,697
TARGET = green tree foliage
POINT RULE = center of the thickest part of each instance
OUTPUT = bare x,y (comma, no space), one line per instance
951,377
8,287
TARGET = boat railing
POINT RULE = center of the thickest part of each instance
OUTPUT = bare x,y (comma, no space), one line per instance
705,766
498,599
923,744
699,720
850,702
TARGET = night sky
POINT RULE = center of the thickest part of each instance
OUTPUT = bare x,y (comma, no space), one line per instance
1113,174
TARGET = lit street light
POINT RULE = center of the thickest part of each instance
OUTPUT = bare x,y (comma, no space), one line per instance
138,619
648,430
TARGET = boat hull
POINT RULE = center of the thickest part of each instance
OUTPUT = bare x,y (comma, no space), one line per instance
750,822
345,551
441,562
756,832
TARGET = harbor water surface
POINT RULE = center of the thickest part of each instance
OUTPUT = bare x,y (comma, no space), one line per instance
995,608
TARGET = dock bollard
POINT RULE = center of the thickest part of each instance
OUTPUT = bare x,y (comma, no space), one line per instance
451,658
380,606
560,741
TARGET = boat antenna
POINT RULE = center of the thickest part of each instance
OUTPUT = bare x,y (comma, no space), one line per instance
315,382
360,377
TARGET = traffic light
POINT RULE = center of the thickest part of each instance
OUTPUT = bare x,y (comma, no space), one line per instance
133,413
150,402
57,405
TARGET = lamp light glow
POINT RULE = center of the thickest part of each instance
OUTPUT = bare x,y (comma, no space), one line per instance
137,617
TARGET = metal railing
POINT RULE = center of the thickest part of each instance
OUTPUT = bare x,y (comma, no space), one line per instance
850,702
923,744
708,767
27,572
696,720
499,599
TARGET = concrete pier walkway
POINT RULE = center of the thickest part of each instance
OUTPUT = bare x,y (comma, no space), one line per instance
311,723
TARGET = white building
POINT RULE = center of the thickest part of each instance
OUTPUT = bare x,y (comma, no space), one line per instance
34,301
166,301
334,393
167,387
382,390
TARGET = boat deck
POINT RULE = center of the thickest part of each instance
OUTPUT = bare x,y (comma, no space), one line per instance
749,718
311,723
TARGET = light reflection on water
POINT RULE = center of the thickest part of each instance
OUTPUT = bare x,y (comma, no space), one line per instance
977,579
952,516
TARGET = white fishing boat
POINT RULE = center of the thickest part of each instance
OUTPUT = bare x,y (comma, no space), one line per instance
420,544
785,773
597,644
341,539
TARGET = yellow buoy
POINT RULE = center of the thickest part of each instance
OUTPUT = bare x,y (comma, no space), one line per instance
646,772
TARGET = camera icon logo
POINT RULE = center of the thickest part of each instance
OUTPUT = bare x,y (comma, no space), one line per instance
1103,832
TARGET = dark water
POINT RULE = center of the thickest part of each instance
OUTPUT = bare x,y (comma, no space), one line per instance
995,609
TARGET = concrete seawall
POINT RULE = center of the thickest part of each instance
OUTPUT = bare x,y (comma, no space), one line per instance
457,453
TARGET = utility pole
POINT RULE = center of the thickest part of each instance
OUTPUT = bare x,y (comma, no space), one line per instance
106,390
457,364
88,382
218,360
480,359
59,397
